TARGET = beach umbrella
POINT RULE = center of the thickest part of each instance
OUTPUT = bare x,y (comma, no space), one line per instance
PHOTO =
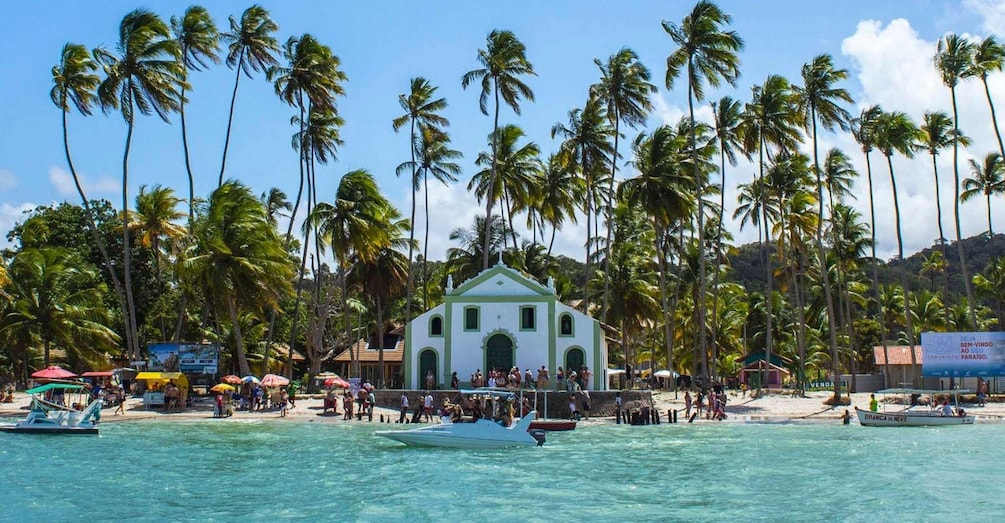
325,376
250,379
664,374
336,382
274,380
222,387
231,379
53,373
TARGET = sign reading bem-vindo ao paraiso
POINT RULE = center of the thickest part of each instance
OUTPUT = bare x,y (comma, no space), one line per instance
963,354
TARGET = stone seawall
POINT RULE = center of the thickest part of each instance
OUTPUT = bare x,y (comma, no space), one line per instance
601,402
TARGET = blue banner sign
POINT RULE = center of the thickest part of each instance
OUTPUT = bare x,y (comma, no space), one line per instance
963,354
191,358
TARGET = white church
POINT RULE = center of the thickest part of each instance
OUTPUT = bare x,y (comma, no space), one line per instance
501,319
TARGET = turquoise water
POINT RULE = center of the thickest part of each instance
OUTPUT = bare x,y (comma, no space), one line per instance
221,470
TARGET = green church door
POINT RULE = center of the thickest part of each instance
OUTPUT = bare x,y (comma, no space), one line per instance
574,360
499,353
427,365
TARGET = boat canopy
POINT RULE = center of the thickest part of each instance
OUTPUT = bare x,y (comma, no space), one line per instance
50,386
922,391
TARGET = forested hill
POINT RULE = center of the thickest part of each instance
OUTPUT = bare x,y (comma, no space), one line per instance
747,265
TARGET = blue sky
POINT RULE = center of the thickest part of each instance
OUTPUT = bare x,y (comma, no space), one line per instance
885,45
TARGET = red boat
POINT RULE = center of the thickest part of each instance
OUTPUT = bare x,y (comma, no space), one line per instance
553,425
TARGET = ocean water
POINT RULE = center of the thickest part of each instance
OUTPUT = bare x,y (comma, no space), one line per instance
216,470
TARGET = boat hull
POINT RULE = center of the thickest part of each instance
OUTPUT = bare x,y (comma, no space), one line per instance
553,425
909,419
37,429
481,434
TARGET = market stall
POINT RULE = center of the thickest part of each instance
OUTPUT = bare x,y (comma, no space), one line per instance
157,383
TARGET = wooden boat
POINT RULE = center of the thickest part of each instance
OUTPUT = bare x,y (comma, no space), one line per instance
553,425
46,417
914,415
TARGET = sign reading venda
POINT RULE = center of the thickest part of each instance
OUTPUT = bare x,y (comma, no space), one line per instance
963,354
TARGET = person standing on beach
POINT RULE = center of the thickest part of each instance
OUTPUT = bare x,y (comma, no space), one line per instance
542,378
559,379
120,395
454,382
873,404
687,404
427,407
404,408
371,399
846,418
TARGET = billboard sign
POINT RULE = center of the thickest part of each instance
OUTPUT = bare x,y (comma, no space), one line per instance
963,354
191,358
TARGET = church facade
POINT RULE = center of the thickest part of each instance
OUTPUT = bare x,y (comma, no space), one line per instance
501,319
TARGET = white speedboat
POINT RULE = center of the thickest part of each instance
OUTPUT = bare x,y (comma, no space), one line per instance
915,416
479,433
48,417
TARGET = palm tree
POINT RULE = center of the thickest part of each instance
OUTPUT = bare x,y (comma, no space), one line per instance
420,108
895,132
355,227
464,260
988,57
74,82
709,54
991,285
624,86
863,129
952,58
238,258
198,41
559,190
435,158
989,180
252,46
511,175
818,99
145,75
58,303
154,221
727,114
276,202
503,61
586,146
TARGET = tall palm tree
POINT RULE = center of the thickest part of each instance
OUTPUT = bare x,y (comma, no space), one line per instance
819,100
238,258
988,180
988,57
198,41
952,58
586,146
154,221
464,260
276,202
705,53
559,191
58,303
355,227
420,108
511,175
895,132
74,82
726,113
434,158
863,129
252,46
504,61
146,75
624,86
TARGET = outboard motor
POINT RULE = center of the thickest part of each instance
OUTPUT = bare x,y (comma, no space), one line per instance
538,434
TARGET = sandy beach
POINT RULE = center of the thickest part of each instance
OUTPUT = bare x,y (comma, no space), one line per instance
769,408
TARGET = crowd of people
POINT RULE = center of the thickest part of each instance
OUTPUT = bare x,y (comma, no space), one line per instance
515,379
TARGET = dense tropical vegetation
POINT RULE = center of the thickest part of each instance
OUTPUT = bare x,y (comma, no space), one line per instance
98,282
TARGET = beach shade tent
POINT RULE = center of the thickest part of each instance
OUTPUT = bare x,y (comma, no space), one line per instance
325,376
222,387
53,373
97,374
336,382
274,380
250,379
231,379
162,378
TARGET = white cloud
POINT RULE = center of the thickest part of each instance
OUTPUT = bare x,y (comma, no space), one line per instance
64,185
992,11
7,180
10,215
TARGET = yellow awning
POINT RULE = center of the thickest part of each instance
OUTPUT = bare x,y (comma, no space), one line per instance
179,378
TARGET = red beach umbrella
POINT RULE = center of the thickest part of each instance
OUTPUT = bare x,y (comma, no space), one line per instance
274,380
53,373
230,378
336,382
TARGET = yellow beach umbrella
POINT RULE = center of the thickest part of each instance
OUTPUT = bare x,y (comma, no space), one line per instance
222,387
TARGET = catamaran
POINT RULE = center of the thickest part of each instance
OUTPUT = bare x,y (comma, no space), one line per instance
48,416
480,433
916,415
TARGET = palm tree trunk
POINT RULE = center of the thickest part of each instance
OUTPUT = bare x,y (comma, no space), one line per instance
589,232
903,271
718,258
699,180
551,243
242,360
509,215
134,349
610,211
411,235
662,264
824,270
93,227
994,118
492,183
380,343
875,271
971,304
767,263
230,121
942,237
425,246
991,233
300,279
